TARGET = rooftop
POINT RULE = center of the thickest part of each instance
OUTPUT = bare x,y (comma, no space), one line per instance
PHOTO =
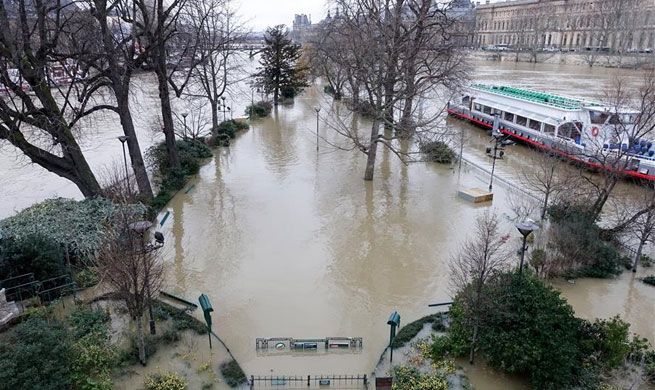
536,97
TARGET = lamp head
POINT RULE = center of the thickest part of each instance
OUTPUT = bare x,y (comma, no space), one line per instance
526,227
123,138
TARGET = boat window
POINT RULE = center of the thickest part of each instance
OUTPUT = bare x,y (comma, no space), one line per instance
569,130
466,99
521,120
486,110
478,107
598,118
509,117
549,129
497,111
535,125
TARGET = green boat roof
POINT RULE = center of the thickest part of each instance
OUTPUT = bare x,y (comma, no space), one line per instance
536,97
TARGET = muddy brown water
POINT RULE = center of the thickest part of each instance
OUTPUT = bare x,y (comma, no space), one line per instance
288,242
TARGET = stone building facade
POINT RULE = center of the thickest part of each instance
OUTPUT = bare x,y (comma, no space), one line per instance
568,25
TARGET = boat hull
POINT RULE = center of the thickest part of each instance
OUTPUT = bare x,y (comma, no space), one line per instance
460,112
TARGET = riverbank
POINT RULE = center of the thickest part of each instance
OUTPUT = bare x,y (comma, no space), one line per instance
586,59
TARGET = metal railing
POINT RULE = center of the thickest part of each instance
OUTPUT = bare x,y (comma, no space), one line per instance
308,382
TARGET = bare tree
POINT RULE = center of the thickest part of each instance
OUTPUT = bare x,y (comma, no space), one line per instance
550,178
326,57
158,24
113,58
475,266
630,116
132,270
195,125
215,62
634,220
396,52
33,41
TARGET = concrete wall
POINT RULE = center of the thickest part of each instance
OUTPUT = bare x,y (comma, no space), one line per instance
646,61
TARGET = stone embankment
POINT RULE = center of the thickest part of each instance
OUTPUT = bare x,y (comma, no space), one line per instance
631,61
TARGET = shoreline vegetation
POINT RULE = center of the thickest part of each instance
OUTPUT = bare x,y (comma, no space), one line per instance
518,340
61,238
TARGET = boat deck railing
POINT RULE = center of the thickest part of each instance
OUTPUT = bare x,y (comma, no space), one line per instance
536,97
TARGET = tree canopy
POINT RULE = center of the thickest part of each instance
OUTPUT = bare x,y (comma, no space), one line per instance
281,73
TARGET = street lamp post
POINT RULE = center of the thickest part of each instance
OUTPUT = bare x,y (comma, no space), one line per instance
394,322
317,109
184,115
252,98
224,108
123,139
497,139
140,228
525,228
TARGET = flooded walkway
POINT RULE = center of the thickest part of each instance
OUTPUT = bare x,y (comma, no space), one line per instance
288,242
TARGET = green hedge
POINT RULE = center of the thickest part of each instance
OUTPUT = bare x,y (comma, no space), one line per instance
259,110
191,153
233,374
439,152
409,331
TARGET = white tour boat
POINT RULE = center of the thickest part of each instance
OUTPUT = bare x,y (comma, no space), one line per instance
577,129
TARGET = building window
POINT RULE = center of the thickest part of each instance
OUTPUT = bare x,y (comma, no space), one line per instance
509,117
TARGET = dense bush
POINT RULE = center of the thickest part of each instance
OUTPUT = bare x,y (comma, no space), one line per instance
165,381
608,340
529,329
437,151
532,330
579,243
36,254
85,321
289,92
230,128
233,374
81,226
181,319
650,279
410,378
36,356
649,367
409,331
259,110
191,152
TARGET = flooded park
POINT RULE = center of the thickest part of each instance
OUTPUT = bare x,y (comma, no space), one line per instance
289,241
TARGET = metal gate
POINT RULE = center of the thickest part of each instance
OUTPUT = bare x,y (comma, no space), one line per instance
324,382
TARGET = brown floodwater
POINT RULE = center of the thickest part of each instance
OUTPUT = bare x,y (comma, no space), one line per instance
290,242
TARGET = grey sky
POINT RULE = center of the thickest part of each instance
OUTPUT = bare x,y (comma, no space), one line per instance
260,14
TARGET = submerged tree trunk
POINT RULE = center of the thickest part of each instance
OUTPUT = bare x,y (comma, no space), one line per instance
138,166
214,109
474,341
142,344
166,111
372,150
164,94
